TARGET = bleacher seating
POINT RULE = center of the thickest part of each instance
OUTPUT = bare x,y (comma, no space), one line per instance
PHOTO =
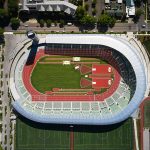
85,106
112,104
56,105
75,105
114,108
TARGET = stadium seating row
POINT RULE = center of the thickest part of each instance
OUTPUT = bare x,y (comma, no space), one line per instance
111,105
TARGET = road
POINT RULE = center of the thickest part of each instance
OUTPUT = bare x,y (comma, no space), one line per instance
119,27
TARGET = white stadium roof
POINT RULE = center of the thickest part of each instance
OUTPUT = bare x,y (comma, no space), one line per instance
119,45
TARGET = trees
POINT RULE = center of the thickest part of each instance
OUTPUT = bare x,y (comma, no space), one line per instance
138,13
13,8
15,23
76,2
94,11
138,3
1,31
88,20
106,21
24,15
80,12
1,147
49,22
41,22
55,22
2,12
1,3
112,22
61,23
86,7
4,18
94,3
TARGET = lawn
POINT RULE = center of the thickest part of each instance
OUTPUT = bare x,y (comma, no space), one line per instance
31,135
113,137
47,76
147,45
145,40
147,114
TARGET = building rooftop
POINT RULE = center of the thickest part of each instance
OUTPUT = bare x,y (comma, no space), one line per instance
48,5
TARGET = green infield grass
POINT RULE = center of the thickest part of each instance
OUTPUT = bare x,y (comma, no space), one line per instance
47,76
147,114
31,135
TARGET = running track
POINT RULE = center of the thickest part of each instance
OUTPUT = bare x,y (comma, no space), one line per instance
37,96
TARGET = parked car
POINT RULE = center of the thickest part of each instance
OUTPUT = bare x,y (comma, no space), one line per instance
143,26
69,24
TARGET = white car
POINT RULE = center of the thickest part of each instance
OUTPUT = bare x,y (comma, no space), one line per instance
26,25
52,25
143,26
69,24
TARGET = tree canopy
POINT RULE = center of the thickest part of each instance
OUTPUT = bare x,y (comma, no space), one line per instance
41,22
48,22
15,23
80,12
1,31
106,20
13,8
1,147
88,20
61,23
139,12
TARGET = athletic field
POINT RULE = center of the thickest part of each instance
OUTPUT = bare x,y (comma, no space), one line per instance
35,136
51,73
47,76
147,114
31,136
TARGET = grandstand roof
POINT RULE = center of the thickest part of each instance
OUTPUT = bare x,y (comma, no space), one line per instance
119,45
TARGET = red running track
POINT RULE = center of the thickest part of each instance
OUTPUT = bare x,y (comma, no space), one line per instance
101,82
37,96
101,69
71,139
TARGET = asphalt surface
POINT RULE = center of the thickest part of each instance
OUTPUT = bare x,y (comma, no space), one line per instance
119,27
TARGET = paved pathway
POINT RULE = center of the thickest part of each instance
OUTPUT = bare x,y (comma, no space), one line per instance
6,103
10,44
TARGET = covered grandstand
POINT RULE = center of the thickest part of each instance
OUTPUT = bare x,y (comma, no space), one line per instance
110,107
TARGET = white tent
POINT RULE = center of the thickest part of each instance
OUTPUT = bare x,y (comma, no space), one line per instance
120,1
107,1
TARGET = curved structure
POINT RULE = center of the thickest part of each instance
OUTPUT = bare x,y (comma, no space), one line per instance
32,35
48,5
114,109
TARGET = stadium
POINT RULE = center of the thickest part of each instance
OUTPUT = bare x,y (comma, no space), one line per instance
78,79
